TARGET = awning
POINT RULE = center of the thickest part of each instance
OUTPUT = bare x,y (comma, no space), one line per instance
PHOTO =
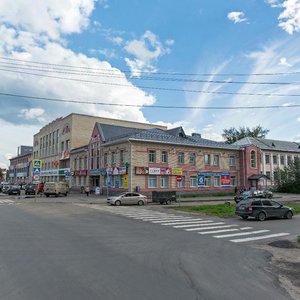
258,177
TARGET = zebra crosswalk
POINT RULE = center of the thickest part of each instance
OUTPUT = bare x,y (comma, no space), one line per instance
7,202
217,229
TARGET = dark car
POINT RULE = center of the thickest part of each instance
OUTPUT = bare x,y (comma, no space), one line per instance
13,190
243,196
262,209
30,189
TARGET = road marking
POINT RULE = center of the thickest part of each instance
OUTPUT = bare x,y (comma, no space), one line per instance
241,233
7,202
246,228
255,238
210,227
218,231
183,223
193,225
163,218
173,220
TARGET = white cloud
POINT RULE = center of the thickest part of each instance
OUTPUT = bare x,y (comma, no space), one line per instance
169,42
236,16
298,119
47,18
145,51
32,113
283,62
117,40
289,18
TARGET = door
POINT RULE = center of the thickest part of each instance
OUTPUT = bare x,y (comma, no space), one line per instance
269,209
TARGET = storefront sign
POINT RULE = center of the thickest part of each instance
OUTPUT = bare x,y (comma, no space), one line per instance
165,171
154,171
125,182
79,172
122,170
201,179
49,172
176,171
95,172
141,170
225,179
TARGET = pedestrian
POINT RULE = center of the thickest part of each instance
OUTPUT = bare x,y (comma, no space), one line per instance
87,190
235,190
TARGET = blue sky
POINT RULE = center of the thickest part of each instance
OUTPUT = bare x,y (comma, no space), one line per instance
140,53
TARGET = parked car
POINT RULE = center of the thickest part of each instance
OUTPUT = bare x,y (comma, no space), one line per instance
30,189
127,198
263,194
163,197
262,209
14,190
5,188
243,196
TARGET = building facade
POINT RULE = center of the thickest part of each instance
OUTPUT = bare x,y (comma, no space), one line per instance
20,168
55,141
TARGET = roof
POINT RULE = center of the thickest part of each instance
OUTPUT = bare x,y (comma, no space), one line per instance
175,136
257,177
269,144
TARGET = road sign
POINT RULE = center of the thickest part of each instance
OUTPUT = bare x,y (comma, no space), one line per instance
37,163
178,178
36,177
36,171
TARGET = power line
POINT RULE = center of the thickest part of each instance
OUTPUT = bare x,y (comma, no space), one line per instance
154,88
160,73
148,106
168,79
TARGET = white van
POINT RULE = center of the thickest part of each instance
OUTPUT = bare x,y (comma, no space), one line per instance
56,188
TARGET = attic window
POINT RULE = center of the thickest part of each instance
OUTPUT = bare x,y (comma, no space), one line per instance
180,134
273,145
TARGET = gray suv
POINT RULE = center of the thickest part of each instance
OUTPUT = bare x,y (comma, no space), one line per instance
262,209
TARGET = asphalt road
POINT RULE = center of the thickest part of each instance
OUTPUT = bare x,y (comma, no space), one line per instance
65,251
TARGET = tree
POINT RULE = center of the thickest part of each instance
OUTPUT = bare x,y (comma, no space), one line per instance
232,134
1,173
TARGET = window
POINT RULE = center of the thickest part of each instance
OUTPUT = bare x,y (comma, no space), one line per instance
289,160
193,181
275,159
207,181
113,157
152,181
253,159
207,159
75,164
181,158
233,180
256,203
281,159
152,156
105,158
217,181
164,156
216,160
68,145
267,158
192,158
121,156
275,174
231,161
268,174
164,181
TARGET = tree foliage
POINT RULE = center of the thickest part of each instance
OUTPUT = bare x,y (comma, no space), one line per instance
1,174
232,134
288,179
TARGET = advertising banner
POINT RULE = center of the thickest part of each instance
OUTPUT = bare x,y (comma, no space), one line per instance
201,179
225,179
154,171
176,171
165,171
141,170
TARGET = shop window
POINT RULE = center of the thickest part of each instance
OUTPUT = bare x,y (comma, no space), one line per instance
151,181
233,180
164,181
193,181
207,181
181,184
217,181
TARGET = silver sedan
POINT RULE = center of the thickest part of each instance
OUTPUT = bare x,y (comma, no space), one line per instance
127,198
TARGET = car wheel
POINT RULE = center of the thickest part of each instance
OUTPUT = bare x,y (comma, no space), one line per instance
289,215
261,216
47,195
244,217
141,202
118,203
168,202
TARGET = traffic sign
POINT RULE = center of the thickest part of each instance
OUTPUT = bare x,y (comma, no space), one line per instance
37,163
36,171
178,178
36,177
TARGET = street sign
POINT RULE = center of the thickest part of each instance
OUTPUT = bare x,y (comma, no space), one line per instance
178,178
36,177
36,171
37,163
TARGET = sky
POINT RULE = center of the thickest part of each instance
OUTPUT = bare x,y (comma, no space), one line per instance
204,65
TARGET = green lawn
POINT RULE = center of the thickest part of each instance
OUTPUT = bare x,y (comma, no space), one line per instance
222,210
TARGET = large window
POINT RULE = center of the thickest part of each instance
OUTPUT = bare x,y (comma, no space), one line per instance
231,161
193,181
181,158
217,181
275,159
207,159
253,159
233,180
289,160
164,156
207,181
164,181
281,159
267,158
152,156
151,181
192,158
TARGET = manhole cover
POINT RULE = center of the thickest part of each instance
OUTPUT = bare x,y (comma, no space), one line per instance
283,244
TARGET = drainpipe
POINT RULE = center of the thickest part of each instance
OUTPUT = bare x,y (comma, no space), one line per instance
130,167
